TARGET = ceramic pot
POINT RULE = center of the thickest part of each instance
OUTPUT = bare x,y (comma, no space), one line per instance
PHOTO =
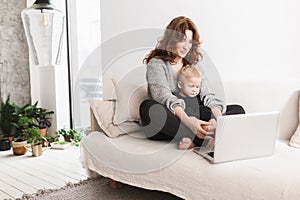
43,131
19,148
37,149
4,145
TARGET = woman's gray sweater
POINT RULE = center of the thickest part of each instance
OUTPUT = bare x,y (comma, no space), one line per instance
162,82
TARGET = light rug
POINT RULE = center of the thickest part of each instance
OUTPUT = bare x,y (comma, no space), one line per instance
97,189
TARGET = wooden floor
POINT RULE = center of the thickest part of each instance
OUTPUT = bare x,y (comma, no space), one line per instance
27,174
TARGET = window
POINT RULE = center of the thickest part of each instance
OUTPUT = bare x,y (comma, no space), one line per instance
84,33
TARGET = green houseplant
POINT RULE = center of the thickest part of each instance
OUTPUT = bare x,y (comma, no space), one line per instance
24,122
63,133
35,139
19,144
41,115
6,124
71,135
43,118
65,137
75,136
30,136
33,136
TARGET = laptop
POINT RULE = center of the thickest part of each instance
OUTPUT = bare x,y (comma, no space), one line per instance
240,137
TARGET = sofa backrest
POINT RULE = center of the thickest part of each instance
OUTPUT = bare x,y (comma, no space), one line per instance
268,95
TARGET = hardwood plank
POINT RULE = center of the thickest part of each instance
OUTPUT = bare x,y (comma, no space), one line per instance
17,172
60,171
9,189
54,161
27,174
4,195
18,184
42,173
75,169
67,160
52,171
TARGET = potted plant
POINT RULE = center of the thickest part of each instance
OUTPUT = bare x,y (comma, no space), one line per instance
64,134
62,139
65,137
6,124
43,117
19,144
4,143
75,136
22,125
35,139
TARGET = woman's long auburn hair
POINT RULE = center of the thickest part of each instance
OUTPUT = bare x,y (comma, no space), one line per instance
175,32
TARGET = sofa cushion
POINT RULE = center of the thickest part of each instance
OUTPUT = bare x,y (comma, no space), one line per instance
104,111
295,139
130,92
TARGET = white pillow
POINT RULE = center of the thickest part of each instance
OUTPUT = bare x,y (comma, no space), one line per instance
129,96
295,139
103,112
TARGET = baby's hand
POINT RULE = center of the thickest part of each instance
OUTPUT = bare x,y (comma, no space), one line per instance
211,127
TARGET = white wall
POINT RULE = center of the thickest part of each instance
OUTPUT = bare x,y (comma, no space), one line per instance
245,39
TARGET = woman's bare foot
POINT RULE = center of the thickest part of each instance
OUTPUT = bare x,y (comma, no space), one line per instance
185,143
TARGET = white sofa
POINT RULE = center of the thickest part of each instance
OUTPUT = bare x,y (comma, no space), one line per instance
154,165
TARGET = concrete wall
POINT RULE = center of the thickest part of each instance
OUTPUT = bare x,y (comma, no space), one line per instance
14,61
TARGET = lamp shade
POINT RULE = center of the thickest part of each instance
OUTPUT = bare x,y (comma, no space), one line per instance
44,26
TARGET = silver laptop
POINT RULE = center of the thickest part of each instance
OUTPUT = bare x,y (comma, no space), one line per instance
241,136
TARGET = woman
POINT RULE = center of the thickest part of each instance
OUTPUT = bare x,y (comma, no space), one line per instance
163,116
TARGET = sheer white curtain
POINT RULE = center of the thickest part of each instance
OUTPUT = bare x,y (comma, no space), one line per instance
85,57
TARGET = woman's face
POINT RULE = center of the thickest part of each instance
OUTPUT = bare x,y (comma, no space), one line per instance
183,47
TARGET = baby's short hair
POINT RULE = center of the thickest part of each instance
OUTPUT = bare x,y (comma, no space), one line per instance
187,72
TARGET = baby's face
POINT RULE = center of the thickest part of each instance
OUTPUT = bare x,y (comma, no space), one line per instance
190,87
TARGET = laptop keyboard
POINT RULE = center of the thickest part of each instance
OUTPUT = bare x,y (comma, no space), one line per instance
211,154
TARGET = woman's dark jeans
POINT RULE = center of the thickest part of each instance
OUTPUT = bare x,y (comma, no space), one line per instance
160,124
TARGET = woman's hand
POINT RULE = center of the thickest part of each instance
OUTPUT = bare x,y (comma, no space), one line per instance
199,127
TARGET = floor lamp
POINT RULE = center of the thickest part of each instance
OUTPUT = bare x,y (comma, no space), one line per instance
44,30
